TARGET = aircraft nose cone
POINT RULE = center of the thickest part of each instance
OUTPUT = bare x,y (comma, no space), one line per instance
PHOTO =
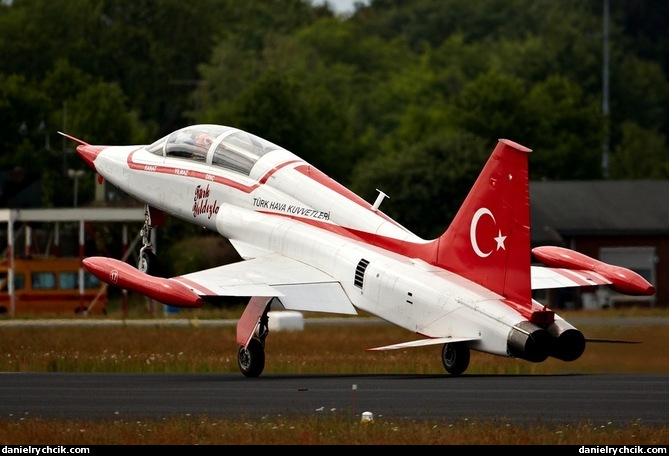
89,153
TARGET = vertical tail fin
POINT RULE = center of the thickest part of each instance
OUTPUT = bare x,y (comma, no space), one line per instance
488,241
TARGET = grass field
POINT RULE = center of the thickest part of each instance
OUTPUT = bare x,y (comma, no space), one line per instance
315,350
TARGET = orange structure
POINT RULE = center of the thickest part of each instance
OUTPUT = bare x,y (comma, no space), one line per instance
50,283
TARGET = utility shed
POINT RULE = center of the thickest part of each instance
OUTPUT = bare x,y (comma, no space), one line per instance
622,222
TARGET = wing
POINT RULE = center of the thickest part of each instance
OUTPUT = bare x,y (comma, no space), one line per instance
545,278
297,285
568,268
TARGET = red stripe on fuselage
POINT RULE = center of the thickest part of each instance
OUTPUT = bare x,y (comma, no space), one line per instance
328,182
394,245
206,176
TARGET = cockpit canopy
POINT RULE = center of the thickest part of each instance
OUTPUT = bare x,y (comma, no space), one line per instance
216,145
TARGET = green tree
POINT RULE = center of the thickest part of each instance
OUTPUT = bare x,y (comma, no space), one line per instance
384,81
491,106
640,94
427,182
564,127
642,154
304,120
23,109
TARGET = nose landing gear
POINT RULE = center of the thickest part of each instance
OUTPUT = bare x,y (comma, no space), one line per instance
148,261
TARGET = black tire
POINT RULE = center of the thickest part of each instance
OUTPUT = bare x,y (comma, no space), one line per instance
148,263
455,358
251,360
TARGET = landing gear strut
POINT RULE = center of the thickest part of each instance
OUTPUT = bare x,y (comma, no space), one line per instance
251,360
147,261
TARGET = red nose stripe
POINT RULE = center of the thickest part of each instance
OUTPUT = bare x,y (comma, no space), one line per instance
89,153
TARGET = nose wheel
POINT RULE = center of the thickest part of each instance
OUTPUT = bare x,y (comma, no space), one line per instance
148,261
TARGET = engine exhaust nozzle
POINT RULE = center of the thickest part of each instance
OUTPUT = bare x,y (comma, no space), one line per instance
528,341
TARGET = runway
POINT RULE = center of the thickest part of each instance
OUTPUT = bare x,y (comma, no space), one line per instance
531,399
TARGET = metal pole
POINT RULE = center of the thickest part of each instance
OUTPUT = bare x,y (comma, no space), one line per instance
10,261
605,93
81,266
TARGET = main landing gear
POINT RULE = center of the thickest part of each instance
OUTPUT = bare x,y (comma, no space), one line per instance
251,360
455,357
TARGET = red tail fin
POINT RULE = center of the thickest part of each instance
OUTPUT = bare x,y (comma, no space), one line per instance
489,239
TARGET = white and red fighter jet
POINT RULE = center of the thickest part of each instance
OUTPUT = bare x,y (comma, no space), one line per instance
310,244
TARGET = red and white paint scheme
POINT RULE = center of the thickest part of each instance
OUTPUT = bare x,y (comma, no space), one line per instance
310,244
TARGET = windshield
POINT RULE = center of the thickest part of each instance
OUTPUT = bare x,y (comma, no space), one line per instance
233,149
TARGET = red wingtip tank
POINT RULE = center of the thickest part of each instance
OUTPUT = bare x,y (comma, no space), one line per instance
125,276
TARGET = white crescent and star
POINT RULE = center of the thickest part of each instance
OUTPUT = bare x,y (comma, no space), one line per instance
472,233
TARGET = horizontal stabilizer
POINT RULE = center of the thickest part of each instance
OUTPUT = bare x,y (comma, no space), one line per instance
612,341
122,275
424,342
621,279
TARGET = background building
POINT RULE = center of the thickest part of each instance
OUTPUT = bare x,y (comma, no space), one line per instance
622,222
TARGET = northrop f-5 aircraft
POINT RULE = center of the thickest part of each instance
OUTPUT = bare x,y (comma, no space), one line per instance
310,244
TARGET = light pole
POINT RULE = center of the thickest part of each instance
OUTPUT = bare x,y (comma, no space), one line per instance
75,174
605,92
